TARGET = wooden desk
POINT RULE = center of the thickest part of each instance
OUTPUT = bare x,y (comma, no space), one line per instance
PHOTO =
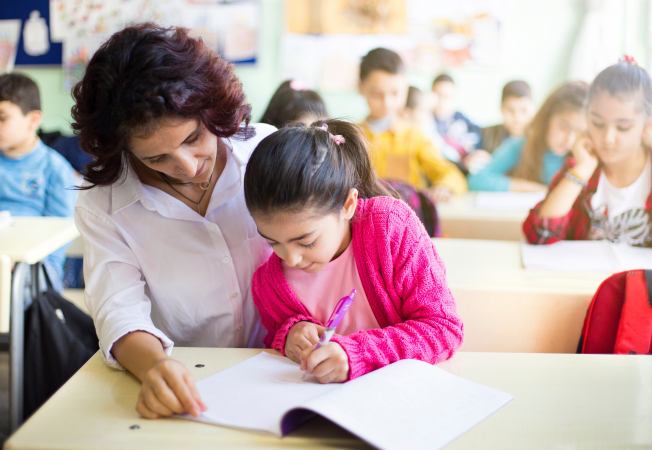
460,218
508,309
560,401
27,241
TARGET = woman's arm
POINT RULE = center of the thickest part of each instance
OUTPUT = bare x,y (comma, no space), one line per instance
560,200
115,297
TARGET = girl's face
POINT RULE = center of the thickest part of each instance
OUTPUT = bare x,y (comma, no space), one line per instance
616,127
563,128
308,242
183,150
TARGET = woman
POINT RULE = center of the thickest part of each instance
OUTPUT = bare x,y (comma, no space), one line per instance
170,246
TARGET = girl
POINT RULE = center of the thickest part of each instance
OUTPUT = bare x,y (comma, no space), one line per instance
292,102
315,198
603,191
528,164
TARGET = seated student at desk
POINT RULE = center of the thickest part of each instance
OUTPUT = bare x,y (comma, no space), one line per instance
35,180
169,246
401,151
604,190
292,102
528,164
315,198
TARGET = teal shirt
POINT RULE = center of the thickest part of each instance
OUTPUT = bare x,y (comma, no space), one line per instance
493,177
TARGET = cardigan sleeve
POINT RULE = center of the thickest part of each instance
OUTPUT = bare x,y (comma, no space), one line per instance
276,313
431,330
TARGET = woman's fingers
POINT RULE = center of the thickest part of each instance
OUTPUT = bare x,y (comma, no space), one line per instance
190,381
154,404
182,396
143,410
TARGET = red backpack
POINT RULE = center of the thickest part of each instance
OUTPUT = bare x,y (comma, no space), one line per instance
619,320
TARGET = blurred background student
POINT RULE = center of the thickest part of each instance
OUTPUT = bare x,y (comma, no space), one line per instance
401,151
528,164
34,179
517,109
292,102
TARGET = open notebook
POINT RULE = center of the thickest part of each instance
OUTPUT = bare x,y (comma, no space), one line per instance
585,256
408,404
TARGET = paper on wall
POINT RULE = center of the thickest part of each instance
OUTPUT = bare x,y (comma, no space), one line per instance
9,36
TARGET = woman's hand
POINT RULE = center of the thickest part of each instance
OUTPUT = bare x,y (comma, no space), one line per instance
302,335
168,388
329,363
440,194
586,160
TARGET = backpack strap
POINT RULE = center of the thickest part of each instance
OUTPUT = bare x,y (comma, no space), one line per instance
635,328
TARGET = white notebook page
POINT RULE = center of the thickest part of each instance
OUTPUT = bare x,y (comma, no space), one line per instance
409,405
570,256
633,258
256,393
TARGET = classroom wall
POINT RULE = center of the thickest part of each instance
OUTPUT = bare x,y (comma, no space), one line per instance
539,37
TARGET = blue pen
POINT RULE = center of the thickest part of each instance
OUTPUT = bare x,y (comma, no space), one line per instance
333,322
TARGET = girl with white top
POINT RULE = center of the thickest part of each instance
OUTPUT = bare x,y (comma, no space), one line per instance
604,190
170,248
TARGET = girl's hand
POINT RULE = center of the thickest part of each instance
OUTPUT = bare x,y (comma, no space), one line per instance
586,160
329,363
477,160
168,388
302,335
440,194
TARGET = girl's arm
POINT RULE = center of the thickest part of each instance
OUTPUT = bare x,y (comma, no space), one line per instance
492,177
560,200
431,329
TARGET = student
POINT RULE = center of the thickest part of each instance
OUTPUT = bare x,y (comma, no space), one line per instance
34,179
292,102
603,191
401,151
455,127
517,109
418,111
315,198
527,164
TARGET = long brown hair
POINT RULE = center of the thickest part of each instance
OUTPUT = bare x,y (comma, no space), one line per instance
299,168
569,97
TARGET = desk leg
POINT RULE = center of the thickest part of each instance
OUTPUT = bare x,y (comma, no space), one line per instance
16,346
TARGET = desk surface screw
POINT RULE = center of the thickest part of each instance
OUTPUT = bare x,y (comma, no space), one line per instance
134,427
199,365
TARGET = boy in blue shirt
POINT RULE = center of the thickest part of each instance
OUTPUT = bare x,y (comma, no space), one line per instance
34,179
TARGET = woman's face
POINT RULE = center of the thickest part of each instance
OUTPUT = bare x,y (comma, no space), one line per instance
616,127
563,128
183,150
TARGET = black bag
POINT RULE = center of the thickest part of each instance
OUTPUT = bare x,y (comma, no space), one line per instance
59,339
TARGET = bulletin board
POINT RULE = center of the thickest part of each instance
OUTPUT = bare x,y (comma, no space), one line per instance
21,9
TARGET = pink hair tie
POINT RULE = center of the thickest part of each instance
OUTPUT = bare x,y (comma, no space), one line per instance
338,138
628,59
298,85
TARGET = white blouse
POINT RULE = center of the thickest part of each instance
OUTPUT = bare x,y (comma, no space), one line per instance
151,263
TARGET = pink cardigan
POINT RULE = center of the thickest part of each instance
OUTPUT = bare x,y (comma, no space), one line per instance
405,283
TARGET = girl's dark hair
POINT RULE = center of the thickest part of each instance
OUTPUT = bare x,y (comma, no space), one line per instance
299,168
146,73
289,103
569,97
625,79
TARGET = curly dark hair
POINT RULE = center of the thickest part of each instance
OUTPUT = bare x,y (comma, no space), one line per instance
146,73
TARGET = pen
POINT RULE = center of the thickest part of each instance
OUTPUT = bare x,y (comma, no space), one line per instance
333,322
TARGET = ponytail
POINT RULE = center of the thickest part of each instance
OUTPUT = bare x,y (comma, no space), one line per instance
299,168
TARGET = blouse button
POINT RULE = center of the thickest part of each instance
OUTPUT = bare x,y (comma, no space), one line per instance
238,328
212,227
226,260
234,295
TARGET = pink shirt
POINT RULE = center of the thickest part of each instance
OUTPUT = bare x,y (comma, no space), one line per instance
319,292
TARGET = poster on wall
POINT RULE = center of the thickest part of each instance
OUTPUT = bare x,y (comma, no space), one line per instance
230,28
9,35
346,16
435,35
